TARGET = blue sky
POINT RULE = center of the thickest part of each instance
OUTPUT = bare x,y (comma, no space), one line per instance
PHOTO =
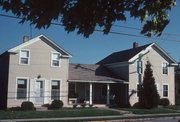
97,46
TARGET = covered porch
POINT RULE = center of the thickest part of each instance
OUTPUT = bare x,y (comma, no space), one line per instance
95,84
107,93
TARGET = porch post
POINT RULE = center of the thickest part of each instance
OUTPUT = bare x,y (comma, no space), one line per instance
90,94
108,89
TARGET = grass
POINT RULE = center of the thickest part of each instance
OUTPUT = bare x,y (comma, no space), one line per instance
56,113
118,118
174,107
148,111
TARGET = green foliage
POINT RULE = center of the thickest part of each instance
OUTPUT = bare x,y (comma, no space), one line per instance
57,104
148,95
149,111
75,106
64,112
164,102
85,15
83,105
15,108
177,85
27,105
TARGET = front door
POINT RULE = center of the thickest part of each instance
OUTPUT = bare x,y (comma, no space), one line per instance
39,90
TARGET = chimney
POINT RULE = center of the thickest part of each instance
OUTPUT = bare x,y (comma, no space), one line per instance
135,44
25,39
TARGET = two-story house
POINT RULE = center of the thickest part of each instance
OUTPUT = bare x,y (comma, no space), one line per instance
36,70
130,65
39,71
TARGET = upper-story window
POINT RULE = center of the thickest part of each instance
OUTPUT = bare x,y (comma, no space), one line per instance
24,57
165,68
139,67
55,59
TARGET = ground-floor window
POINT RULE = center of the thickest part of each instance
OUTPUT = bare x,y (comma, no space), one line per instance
21,89
165,90
55,89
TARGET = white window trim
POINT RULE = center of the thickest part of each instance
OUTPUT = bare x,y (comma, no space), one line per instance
167,68
163,90
137,68
27,93
52,59
20,56
60,81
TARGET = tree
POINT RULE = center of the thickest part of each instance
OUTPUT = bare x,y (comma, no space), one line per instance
85,15
177,85
148,95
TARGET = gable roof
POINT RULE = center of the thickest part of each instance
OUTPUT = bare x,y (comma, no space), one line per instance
46,40
131,54
122,56
91,72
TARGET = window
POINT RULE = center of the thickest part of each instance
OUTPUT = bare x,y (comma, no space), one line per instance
21,89
165,90
165,68
24,57
55,59
139,67
55,90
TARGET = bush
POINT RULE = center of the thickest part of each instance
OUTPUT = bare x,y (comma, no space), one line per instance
164,102
27,105
15,108
75,106
137,105
83,105
57,104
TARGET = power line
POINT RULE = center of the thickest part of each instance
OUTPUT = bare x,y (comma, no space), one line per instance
134,28
113,32
140,36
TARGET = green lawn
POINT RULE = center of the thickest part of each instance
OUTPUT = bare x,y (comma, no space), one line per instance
56,113
148,111
174,107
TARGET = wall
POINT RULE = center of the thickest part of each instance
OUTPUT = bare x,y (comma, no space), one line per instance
4,68
156,61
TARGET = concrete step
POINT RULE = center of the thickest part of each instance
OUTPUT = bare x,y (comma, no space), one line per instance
41,108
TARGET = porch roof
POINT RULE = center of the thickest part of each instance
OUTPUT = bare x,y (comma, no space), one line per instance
92,73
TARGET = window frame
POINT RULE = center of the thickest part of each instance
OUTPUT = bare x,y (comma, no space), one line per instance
56,60
60,88
20,56
167,70
139,66
163,90
27,87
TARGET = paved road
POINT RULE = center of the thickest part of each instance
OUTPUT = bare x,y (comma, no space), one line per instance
169,119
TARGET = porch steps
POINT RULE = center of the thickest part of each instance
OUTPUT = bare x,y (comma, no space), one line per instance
41,108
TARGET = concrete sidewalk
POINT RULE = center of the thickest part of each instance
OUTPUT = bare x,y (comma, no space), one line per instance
125,116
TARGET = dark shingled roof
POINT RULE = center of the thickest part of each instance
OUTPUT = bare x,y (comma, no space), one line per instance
122,56
91,72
